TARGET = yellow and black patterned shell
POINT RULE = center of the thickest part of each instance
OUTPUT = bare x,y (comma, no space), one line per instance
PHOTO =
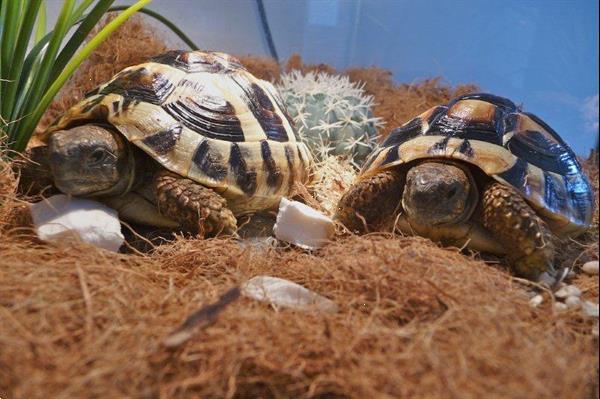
514,147
204,116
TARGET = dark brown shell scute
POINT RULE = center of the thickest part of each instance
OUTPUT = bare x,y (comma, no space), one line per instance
406,132
549,142
244,175
164,141
208,116
556,195
262,108
516,175
547,155
209,162
274,175
289,156
139,85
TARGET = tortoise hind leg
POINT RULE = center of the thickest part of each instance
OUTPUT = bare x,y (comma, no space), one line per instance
198,209
371,202
525,236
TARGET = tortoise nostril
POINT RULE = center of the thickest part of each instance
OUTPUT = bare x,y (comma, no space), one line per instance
451,193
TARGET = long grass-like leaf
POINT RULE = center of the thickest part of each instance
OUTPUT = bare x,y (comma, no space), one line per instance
9,34
34,58
36,53
33,119
40,25
41,79
166,22
79,36
3,6
29,17
3,11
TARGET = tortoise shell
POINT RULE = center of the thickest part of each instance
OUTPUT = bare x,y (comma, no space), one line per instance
202,115
513,147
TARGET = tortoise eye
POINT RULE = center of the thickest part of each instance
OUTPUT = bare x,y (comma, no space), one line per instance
97,156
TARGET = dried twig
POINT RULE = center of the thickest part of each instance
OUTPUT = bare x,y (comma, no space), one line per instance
200,319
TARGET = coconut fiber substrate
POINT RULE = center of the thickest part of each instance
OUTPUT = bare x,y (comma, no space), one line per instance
414,319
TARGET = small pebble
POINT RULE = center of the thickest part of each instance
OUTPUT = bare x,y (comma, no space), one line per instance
590,267
531,293
590,309
573,302
567,291
536,300
560,307
285,293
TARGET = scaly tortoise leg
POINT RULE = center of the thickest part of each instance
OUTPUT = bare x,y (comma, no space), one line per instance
527,239
198,209
371,202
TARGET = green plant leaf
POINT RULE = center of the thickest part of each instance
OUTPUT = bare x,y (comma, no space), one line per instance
28,125
29,18
40,25
39,83
87,24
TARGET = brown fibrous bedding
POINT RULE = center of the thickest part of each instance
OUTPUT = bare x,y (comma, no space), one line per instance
414,319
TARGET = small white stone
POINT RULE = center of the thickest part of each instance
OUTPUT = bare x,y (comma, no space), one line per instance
567,291
590,267
573,302
301,225
281,292
94,223
536,300
590,309
560,307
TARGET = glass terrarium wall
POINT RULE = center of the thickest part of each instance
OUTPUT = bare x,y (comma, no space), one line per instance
543,54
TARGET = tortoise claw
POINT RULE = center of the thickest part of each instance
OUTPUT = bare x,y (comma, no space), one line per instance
553,278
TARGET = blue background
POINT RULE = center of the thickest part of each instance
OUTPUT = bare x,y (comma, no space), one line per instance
542,54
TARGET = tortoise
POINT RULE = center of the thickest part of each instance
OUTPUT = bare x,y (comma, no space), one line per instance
188,140
477,172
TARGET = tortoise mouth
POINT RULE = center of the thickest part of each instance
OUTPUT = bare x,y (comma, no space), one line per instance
439,194
82,187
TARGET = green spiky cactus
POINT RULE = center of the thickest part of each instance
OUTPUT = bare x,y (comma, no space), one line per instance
333,115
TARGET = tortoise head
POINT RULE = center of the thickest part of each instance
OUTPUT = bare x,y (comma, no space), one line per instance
90,160
438,193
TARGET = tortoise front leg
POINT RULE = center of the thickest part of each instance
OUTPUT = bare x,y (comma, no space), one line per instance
371,202
198,209
527,239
